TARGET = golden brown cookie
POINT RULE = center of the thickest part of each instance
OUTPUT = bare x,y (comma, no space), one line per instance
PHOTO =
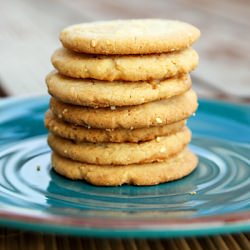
171,169
80,133
141,36
125,68
95,93
121,153
156,113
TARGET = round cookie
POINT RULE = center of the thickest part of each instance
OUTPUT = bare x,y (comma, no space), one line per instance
95,93
125,68
156,113
121,153
171,169
141,36
80,133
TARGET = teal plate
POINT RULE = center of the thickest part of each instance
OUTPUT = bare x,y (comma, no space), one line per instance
214,199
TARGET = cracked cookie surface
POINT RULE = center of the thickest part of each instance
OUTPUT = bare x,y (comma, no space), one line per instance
125,68
141,36
95,93
156,113
171,169
121,153
81,134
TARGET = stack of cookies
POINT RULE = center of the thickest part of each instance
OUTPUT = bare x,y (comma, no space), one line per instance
121,96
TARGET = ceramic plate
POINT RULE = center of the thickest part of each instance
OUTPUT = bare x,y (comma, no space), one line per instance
215,198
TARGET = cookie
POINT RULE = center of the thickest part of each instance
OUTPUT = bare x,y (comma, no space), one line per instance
81,134
125,68
121,153
171,169
141,36
156,113
95,93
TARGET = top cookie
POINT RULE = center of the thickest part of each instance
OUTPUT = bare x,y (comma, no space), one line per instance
141,36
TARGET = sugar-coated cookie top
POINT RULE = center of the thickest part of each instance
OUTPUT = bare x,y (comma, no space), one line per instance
140,36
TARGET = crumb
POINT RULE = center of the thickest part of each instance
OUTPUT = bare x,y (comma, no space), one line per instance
193,193
158,120
38,168
162,150
158,139
113,107
93,43
154,83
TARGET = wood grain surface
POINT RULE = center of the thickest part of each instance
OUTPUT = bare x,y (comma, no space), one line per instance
29,35
19,240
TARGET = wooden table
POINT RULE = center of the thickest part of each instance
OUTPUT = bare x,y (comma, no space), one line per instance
29,35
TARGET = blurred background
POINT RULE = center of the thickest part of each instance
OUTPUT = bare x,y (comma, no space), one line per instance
29,33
